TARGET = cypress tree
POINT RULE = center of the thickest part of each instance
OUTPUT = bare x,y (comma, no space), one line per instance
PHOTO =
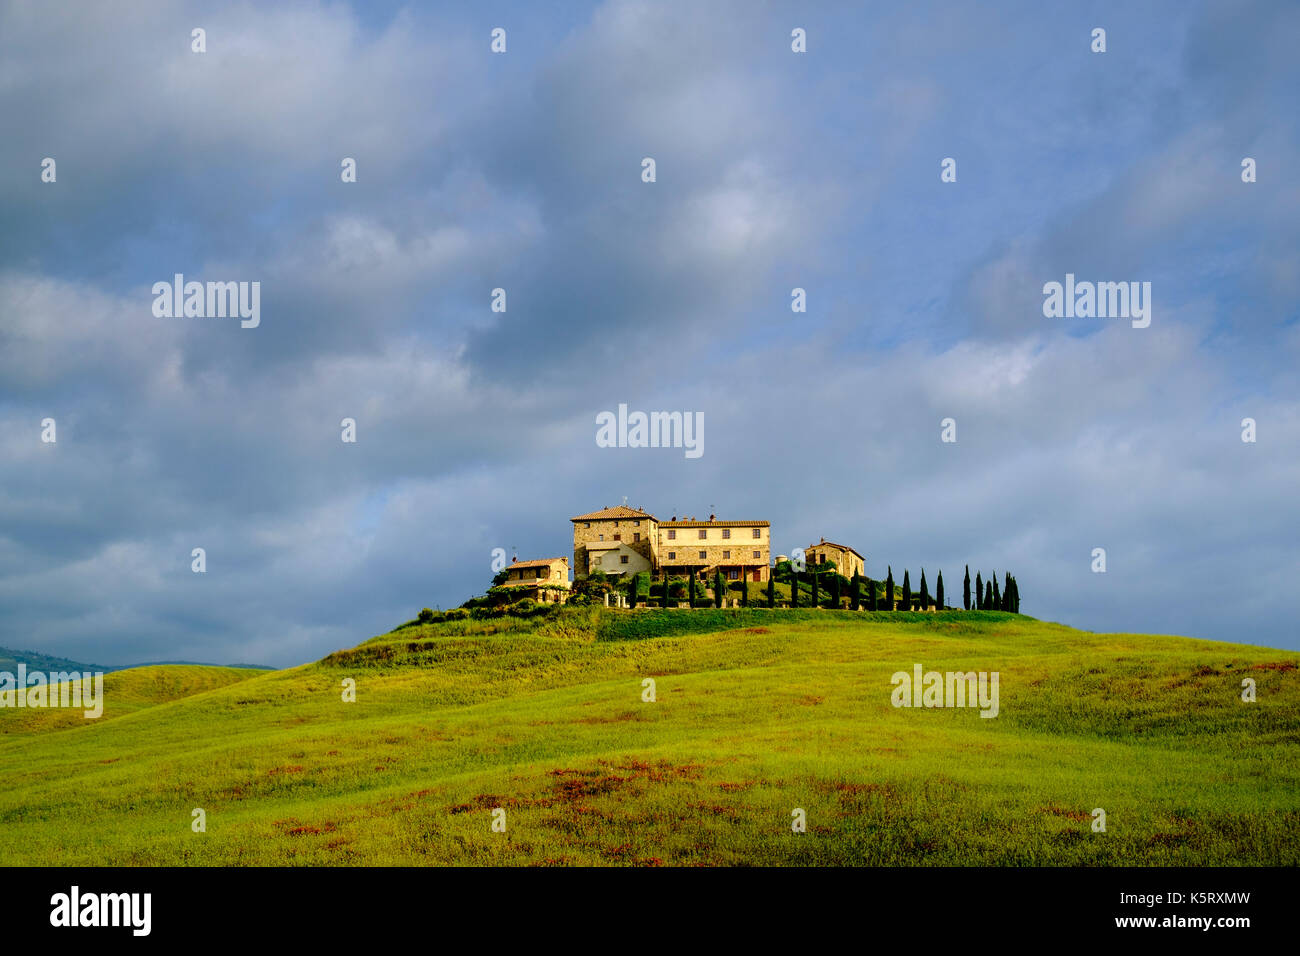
979,592
871,595
889,589
744,589
938,591
664,601
997,598
907,591
925,592
814,588
1006,592
690,586
719,587
856,595
988,596
794,587
771,590
632,583
965,589
835,589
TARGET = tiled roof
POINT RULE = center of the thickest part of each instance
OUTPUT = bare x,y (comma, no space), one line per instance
618,511
544,563
714,524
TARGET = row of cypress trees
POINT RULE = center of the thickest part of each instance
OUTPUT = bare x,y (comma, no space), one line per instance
988,596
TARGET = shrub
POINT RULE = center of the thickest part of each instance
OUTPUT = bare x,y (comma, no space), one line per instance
426,615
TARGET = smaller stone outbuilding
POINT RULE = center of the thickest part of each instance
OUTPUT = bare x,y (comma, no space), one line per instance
847,561
544,580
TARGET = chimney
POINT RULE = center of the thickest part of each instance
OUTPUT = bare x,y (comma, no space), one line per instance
711,517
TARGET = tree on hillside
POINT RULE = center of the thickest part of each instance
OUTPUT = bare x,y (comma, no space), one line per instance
633,586
855,597
979,592
889,589
871,594
719,589
835,590
1006,592
907,591
501,577
690,585
925,592
744,590
771,590
813,572
664,600
988,596
938,591
997,597
965,590
1015,596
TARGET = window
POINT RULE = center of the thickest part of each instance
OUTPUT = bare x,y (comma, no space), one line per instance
601,537
622,559
636,524
726,533
726,555
703,555
758,532
733,575
586,524
672,534
756,554
636,536
704,533
618,537
672,555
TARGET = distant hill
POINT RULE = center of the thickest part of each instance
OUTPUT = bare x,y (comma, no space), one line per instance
126,691
35,661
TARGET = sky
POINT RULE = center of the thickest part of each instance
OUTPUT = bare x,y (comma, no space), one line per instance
523,170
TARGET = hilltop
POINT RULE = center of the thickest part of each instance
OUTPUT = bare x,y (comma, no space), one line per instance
757,713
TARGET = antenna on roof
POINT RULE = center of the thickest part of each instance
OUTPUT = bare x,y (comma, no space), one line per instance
514,551
625,501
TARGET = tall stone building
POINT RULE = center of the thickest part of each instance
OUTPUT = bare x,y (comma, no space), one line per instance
611,540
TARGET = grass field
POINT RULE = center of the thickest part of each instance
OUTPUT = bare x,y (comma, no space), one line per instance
758,712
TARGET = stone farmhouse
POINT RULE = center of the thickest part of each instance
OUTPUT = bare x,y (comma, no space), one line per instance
623,540
847,561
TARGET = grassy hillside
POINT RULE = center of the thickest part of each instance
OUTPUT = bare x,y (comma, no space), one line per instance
758,713
126,692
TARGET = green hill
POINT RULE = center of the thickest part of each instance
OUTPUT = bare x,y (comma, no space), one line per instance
758,713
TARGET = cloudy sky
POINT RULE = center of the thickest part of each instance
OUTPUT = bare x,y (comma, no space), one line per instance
523,171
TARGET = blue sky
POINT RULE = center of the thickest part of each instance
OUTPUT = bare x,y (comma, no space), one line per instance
521,170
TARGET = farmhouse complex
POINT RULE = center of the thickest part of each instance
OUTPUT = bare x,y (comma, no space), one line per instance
726,558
